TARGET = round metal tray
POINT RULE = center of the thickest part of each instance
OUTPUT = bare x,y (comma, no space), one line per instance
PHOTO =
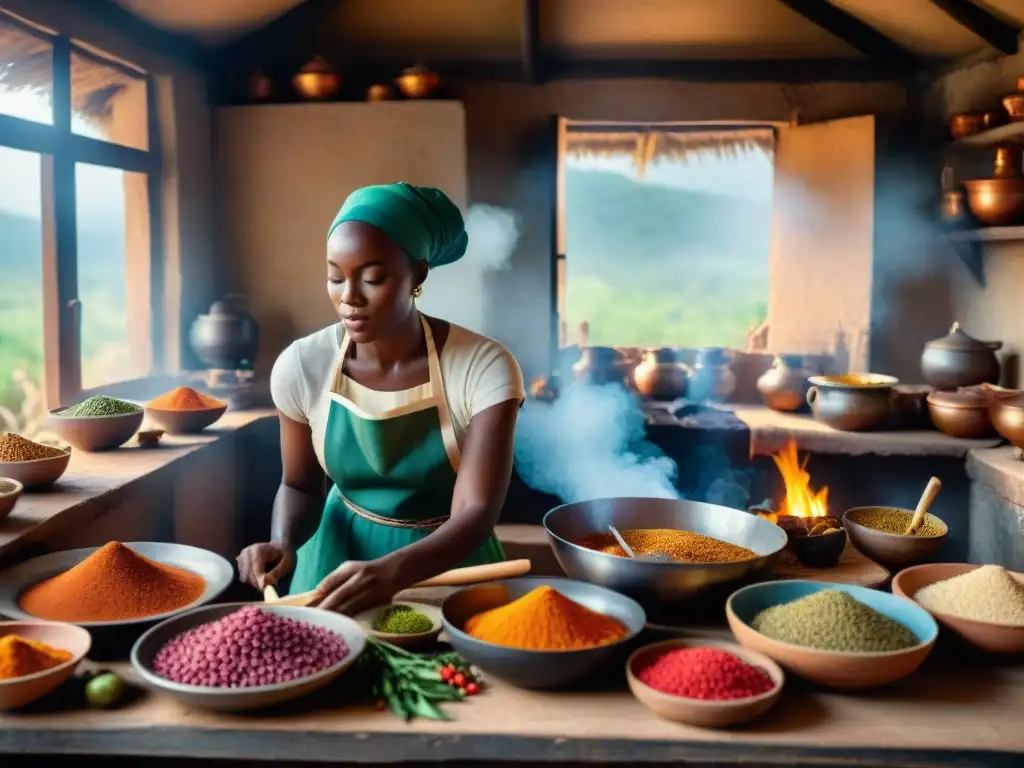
217,572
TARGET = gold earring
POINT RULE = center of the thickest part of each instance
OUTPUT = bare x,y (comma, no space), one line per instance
418,291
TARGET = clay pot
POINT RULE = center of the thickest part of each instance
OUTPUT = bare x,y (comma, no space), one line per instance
600,365
712,379
317,80
910,406
661,376
852,402
784,386
958,360
960,414
1007,413
418,82
228,337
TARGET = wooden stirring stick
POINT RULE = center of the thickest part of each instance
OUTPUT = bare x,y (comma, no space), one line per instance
930,491
457,577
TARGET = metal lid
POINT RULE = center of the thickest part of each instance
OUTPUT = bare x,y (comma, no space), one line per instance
962,398
959,341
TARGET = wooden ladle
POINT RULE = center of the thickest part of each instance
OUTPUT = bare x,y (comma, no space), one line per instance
930,491
457,577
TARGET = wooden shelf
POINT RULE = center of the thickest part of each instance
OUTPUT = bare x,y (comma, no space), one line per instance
1002,134
969,245
988,234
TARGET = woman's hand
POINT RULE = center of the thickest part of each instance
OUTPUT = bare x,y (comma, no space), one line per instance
255,561
356,586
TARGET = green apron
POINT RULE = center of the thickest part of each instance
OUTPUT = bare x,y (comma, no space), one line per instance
393,473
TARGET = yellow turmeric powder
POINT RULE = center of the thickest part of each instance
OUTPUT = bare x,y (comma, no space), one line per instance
545,620
20,656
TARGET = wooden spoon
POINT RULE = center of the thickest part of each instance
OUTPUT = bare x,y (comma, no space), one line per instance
457,577
930,491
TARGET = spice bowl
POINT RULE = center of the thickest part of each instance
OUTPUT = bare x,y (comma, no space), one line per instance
185,422
1003,639
538,669
893,550
20,691
95,433
10,492
835,669
36,473
241,699
699,712
368,620
819,549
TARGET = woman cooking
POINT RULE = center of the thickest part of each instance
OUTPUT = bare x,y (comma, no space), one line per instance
410,417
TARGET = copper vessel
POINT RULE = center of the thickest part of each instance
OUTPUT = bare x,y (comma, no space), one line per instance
379,92
998,201
1014,103
963,413
970,123
784,387
317,80
1006,409
958,360
661,376
418,82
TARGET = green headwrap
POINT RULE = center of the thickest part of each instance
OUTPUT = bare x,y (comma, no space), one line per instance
422,220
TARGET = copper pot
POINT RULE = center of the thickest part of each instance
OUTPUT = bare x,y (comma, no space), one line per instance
952,206
995,202
1014,103
379,92
970,123
958,360
418,82
661,376
960,414
317,80
784,387
1007,414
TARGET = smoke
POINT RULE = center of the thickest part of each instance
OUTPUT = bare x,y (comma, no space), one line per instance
590,444
493,234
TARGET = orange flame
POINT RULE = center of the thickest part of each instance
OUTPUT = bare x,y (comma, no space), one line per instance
800,500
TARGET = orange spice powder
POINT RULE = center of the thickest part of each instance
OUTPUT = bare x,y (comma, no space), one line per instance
22,656
114,583
184,399
545,620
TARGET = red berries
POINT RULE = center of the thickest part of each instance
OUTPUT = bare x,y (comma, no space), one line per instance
459,678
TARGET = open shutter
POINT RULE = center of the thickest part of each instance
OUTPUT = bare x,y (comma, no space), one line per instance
822,239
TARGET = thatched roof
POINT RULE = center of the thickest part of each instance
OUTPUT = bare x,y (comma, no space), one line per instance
649,143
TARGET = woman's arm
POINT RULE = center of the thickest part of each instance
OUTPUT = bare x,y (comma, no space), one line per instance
480,491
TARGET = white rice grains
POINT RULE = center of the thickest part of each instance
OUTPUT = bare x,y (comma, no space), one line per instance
987,594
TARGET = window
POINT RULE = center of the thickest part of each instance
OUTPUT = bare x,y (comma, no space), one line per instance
666,234
79,187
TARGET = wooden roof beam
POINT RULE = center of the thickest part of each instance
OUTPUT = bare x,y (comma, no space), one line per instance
997,33
530,41
283,32
853,31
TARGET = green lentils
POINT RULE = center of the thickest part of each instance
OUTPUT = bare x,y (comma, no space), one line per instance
101,405
831,620
402,620
892,520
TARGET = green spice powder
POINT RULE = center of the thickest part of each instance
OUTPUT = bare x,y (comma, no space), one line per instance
402,620
831,620
100,405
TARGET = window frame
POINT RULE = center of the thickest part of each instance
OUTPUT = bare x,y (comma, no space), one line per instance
60,150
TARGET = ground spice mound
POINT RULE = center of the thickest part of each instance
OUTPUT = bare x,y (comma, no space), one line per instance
17,448
21,656
113,584
681,546
892,520
545,620
184,399
247,648
831,620
988,594
403,620
98,406
709,674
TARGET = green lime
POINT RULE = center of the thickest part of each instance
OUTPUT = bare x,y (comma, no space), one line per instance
104,690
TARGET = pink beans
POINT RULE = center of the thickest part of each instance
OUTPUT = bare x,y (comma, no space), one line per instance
247,648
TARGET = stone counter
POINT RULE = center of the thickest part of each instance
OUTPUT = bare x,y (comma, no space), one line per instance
997,507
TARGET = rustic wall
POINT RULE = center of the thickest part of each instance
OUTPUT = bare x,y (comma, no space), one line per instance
511,161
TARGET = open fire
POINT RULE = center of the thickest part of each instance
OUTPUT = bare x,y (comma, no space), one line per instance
800,500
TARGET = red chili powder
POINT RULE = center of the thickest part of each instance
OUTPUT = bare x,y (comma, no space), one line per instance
184,399
113,584
710,674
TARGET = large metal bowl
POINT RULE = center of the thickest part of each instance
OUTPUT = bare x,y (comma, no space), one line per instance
537,669
656,582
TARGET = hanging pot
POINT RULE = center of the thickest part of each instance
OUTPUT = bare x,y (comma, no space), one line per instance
958,360
317,80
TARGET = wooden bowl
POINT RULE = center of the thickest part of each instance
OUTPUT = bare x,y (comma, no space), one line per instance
10,492
367,619
893,550
38,473
19,691
836,669
996,202
697,712
984,635
95,433
185,422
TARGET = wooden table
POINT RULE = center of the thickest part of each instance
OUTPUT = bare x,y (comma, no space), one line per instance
948,714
